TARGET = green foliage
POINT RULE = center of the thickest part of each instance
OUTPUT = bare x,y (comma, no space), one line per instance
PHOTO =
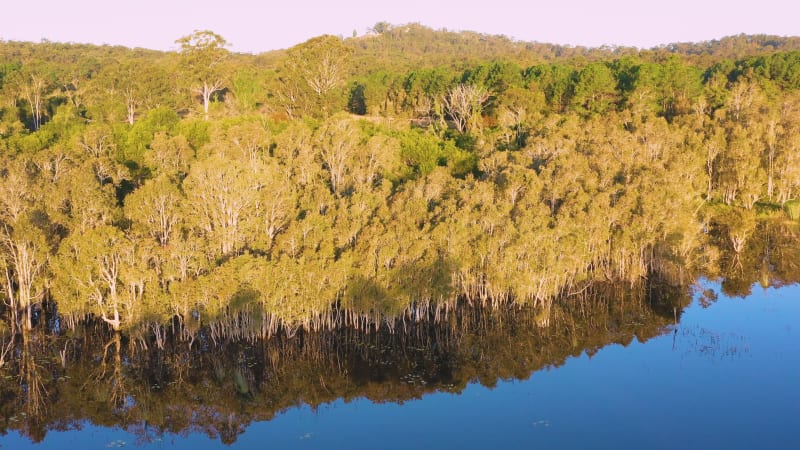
357,100
247,90
7,69
312,75
424,89
556,81
462,163
202,54
595,89
196,132
780,68
792,209
423,152
141,134
378,93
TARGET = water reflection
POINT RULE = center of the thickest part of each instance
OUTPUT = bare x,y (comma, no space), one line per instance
226,377
219,388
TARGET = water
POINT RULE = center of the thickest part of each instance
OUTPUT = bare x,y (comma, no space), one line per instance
724,377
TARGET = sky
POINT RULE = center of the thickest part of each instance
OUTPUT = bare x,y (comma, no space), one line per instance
255,26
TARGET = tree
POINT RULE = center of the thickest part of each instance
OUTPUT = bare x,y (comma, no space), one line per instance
323,62
202,54
714,145
424,89
556,81
787,159
337,143
679,85
246,87
154,209
380,27
313,69
222,193
595,89
515,110
86,201
123,81
169,155
33,88
463,104
275,206
128,87
23,263
91,270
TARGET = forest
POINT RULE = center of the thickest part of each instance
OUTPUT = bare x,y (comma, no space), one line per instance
366,181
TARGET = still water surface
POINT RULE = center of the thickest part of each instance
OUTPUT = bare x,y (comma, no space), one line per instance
727,376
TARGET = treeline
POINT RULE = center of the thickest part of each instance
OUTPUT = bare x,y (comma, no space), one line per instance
413,46
143,188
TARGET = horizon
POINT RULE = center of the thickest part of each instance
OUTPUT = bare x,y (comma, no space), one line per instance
257,29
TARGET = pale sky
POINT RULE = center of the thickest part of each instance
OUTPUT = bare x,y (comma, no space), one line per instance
256,26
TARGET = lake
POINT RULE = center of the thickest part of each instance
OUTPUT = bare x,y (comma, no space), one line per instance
611,374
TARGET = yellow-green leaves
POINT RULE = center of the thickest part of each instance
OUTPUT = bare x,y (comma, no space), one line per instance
221,195
311,74
155,210
95,273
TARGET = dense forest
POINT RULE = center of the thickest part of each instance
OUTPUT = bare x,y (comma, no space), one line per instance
354,182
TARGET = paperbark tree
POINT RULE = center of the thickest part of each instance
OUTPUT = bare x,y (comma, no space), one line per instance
90,270
169,155
23,262
221,194
154,209
337,144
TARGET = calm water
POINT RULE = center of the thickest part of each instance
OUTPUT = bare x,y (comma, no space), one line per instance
725,377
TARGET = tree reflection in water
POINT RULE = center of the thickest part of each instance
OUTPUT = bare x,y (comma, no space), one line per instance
227,376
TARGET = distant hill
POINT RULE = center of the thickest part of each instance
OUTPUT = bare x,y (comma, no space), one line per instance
734,47
400,47
414,45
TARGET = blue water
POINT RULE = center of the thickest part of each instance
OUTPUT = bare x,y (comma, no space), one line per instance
727,377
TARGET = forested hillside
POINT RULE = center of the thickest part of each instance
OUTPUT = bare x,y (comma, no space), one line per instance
348,182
